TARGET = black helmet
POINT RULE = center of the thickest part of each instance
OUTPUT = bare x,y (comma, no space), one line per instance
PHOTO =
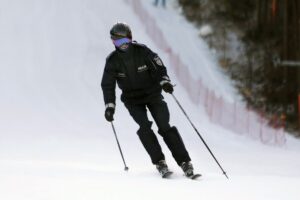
120,30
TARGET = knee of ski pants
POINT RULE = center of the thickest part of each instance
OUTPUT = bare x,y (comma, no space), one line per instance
170,130
145,128
164,128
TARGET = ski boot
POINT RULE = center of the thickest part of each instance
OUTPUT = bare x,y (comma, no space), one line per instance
163,169
188,170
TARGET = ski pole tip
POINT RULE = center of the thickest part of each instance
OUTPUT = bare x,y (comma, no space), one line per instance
126,169
225,175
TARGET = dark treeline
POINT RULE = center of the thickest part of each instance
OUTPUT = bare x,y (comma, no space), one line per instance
267,72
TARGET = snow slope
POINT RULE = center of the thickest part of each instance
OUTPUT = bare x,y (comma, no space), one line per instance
55,143
183,37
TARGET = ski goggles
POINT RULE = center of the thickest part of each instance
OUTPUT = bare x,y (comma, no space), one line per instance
121,41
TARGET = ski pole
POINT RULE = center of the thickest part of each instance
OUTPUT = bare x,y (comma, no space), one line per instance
113,127
199,135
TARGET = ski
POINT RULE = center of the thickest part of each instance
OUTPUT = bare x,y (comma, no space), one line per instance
194,176
166,174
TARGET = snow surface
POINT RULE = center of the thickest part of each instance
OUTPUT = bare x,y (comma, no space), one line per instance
55,143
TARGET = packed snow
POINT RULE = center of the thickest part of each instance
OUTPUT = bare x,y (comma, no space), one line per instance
55,143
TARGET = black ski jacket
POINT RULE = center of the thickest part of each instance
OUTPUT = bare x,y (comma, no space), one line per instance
139,73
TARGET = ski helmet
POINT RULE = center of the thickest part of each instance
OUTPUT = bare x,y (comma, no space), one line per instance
120,30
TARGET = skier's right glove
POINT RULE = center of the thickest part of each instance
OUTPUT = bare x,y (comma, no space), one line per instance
109,113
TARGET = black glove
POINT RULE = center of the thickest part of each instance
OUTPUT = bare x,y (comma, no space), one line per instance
168,87
109,114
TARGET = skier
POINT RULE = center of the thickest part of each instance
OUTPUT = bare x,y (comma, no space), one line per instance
141,76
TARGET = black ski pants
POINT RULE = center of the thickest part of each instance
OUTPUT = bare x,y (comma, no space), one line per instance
160,113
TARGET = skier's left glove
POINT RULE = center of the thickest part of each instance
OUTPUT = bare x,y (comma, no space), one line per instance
168,87
109,112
